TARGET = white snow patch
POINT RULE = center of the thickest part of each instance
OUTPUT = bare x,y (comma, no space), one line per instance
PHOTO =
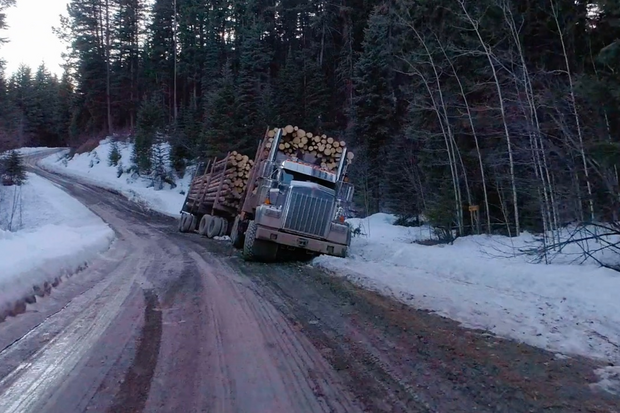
33,151
28,151
51,234
94,167
609,379
570,309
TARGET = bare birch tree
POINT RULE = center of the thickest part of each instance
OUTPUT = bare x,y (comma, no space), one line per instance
474,134
487,52
575,111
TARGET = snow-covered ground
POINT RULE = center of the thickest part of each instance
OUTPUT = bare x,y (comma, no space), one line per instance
567,308
33,151
51,234
94,167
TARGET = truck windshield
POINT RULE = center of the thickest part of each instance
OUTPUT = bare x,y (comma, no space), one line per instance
289,176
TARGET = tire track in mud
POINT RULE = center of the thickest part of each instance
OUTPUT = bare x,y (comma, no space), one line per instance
284,364
372,380
136,384
396,358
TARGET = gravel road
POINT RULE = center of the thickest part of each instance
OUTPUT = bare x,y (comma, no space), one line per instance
169,322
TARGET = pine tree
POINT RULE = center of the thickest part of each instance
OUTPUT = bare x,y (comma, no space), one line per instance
86,31
115,155
374,102
316,98
151,121
289,87
4,4
251,84
13,170
220,122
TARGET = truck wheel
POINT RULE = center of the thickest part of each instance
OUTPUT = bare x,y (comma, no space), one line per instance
204,224
224,229
258,249
236,237
183,224
188,223
193,223
213,229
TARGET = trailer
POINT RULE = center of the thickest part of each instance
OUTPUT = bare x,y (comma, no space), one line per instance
212,201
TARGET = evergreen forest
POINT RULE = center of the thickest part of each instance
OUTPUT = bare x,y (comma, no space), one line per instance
490,115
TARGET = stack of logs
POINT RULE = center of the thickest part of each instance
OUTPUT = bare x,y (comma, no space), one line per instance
320,150
236,170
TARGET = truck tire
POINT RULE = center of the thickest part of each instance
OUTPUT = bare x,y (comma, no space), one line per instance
213,229
193,223
224,229
204,224
258,249
184,222
188,223
236,237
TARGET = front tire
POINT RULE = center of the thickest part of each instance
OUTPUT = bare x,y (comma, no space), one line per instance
236,237
258,249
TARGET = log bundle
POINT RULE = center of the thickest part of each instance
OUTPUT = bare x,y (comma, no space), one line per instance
321,150
224,181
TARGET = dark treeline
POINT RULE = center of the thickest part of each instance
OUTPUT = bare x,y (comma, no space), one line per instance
507,108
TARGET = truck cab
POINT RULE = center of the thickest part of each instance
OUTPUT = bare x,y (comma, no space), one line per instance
297,206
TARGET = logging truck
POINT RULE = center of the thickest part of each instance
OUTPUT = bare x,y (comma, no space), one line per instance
292,198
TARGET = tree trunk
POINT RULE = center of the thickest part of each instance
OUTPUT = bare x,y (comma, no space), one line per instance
174,56
500,96
107,65
575,113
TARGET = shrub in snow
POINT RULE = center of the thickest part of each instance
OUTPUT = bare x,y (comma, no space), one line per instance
151,120
115,155
160,161
409,221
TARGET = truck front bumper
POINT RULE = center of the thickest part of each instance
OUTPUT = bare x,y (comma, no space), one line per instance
299,241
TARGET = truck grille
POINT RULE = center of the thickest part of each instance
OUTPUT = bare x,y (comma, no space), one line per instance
309,211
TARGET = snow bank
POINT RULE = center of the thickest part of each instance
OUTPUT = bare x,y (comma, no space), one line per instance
33,151
94,167
572,309
29,151
51,234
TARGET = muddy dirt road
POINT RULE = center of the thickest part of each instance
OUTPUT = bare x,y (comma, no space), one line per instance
169,322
